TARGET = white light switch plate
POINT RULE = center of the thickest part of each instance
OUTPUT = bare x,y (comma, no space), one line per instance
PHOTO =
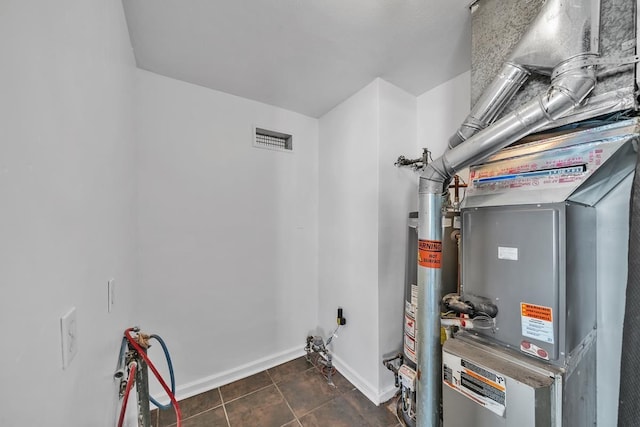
69,336
111,294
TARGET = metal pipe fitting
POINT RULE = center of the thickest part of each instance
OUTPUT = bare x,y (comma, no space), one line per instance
510,78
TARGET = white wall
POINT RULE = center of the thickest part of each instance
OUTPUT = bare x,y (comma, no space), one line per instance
441,111
67,185
231,236
228,232
348,251
398,195
364,201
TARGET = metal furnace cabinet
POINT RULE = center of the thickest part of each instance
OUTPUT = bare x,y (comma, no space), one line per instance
530,225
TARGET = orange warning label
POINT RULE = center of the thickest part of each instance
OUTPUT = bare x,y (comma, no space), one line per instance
536,312
430,253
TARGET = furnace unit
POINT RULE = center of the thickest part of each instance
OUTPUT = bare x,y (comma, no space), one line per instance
542,242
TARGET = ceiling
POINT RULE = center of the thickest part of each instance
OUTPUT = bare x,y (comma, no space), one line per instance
302,55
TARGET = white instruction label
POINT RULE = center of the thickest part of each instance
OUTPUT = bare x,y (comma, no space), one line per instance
410,326
446,222
507,253
410,348
537,329
414,295
410,309
482,386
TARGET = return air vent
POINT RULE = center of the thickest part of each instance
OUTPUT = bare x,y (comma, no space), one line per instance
272,140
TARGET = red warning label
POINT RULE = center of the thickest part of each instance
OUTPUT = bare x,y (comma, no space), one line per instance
536,312
430,253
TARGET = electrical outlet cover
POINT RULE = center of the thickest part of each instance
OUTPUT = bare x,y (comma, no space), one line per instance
69,336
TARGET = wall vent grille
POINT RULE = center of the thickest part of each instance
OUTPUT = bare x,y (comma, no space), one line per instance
272,140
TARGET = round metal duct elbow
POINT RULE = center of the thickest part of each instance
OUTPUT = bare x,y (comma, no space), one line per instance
501,90
569,89
434,177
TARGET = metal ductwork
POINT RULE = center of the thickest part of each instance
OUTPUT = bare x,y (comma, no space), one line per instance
491,103
549,41
561,42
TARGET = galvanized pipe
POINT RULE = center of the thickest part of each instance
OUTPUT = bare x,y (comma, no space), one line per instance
510,78
428,332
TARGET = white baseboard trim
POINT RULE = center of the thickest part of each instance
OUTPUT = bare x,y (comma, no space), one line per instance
216,380
361,384
388,393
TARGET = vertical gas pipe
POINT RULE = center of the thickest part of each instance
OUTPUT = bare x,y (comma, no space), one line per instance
429,290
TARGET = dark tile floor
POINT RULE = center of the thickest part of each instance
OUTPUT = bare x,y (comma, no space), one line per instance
293,394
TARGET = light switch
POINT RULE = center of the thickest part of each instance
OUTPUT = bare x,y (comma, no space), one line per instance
69,337
111,294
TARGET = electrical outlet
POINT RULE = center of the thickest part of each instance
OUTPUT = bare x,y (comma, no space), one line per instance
69,336
111,294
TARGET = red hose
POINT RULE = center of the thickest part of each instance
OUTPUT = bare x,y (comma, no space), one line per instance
125,399
141,352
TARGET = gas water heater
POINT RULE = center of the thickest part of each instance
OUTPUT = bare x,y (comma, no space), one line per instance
449,258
